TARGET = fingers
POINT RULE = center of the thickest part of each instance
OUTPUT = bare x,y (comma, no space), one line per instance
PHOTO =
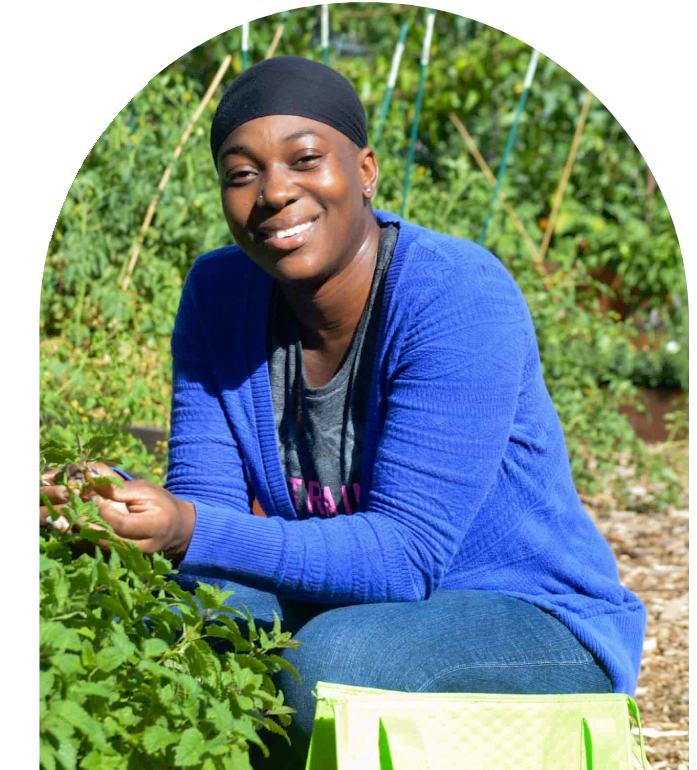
133,492
55,495
45,520
48,476
127,525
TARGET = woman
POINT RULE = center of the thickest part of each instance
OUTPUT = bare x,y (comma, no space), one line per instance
377,387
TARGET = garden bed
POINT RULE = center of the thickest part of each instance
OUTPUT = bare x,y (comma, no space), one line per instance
651,426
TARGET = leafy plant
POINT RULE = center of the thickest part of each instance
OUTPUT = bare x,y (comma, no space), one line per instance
131,676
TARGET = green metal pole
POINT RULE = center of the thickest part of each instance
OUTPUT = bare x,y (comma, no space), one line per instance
425,52
245,45
509,144
391,81
325,34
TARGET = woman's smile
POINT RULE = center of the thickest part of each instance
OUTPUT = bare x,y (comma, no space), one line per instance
286,236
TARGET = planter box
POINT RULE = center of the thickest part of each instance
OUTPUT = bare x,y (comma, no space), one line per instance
149,436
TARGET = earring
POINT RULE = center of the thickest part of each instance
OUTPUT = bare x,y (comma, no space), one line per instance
368,190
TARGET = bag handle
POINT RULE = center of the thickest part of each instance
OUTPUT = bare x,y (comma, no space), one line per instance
634,714
401,745
588,760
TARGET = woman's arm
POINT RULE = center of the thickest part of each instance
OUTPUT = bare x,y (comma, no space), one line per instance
204,459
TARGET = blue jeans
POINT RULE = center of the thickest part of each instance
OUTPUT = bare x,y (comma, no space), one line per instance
456,641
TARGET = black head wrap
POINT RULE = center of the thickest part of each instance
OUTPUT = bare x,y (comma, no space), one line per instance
290,85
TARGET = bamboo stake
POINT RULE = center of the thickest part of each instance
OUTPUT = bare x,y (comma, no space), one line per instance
275,42
484,166
511,137
150,213
425,54
565,175
391,81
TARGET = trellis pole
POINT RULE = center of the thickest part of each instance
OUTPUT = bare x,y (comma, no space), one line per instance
245,45
511,138
425,53
488,173
391,81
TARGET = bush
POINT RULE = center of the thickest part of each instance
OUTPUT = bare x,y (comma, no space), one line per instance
130,676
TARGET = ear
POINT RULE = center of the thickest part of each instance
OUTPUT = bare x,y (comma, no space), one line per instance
369,171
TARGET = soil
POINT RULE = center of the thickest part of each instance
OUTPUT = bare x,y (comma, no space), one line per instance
651,551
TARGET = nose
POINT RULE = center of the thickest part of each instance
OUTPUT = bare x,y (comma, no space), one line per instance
277,189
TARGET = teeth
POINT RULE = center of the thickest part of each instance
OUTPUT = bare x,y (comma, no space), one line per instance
291,231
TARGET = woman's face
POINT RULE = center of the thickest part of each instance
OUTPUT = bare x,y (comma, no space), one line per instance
294,197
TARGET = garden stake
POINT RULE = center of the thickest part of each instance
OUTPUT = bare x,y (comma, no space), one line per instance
488,173
275,41
150,213
325,34
430,19
391,80
245,45
565,175
511,137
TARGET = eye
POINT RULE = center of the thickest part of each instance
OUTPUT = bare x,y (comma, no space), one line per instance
239,176
308,159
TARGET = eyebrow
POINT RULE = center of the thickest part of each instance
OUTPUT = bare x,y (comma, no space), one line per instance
300,134
241,149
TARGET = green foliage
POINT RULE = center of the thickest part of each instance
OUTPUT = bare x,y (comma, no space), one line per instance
616,269
129,677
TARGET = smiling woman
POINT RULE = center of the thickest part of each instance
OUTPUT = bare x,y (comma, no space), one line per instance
377,387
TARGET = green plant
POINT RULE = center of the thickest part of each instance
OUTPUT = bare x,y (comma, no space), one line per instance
129,677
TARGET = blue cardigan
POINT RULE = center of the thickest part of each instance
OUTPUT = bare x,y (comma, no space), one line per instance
465,481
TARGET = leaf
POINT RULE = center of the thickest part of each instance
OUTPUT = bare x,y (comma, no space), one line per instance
46,679
248,680
283,663
47,755
76,716
274,727
83,689
208,595
100,481
58,637
109,658
68,664
154,648
157,737
67,752
190,747
221,715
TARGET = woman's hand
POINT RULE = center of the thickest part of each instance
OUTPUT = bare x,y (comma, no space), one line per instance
74,476
156,521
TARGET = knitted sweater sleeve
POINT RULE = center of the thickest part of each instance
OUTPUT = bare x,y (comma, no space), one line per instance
205,465
450,404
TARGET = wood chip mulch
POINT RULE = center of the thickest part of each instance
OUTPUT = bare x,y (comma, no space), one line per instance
651,551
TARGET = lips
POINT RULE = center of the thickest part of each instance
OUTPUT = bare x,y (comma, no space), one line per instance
289,236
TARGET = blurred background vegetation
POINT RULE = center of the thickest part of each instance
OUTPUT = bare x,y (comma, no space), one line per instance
610,307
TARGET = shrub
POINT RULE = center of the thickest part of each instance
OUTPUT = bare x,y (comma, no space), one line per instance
129,674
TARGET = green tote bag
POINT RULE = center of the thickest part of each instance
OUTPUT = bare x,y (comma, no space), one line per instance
359,728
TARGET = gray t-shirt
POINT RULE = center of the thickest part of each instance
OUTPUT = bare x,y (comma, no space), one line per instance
320,430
